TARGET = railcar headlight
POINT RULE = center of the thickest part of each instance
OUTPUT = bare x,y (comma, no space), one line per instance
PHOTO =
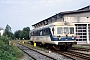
72,37
59,37
66,36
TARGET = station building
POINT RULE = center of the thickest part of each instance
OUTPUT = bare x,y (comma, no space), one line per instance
81,19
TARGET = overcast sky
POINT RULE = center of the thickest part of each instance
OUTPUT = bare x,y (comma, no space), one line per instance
22,13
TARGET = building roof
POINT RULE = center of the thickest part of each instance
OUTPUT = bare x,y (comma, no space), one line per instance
75,11
85,9
1,28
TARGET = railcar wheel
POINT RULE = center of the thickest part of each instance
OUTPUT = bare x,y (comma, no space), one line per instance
31,42
68,47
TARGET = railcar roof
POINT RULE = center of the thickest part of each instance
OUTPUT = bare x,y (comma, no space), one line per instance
54,24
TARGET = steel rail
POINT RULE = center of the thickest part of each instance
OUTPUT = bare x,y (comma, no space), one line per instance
35,51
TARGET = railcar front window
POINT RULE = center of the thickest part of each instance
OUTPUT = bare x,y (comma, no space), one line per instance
59,30
71,30
66,30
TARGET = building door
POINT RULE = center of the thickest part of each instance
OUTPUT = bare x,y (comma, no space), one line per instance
81,31
89,32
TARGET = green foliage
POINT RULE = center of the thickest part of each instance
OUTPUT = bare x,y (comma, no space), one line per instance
15,51
8,52
8,32
81,47
5,39
5,55
22,34
2,44
17,34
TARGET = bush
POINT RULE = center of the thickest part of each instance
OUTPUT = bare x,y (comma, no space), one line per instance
15,51
8,52
1,44
4,55
5,39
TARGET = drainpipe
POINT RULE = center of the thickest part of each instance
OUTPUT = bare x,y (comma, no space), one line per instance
87,35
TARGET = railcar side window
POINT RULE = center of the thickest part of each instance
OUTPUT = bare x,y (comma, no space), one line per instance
32,33
66,30
59,30
40,32
45,31
71,30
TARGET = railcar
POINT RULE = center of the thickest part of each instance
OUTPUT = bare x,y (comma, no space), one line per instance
59,35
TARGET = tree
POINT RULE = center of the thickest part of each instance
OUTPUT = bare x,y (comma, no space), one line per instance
8,31
25,33
22,33
17,34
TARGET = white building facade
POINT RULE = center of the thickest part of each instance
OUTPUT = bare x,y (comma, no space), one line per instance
82,28
81,19
1,31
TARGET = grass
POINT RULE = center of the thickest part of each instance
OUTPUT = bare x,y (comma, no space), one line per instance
18,41
81,47
38,48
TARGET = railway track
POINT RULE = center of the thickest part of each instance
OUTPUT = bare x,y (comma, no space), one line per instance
80,49
75,55
80,55
35,55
